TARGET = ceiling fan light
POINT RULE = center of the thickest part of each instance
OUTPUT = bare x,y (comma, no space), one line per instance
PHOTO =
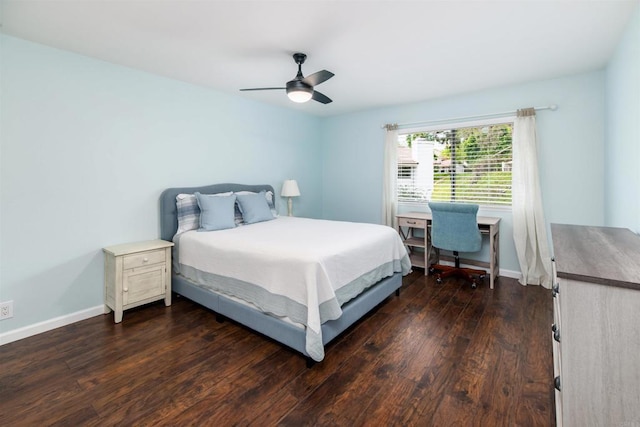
297,91
299,96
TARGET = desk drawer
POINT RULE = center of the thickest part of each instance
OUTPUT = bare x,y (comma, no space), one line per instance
411,222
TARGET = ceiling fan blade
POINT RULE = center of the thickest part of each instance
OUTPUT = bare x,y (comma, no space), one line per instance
317,96
317,78
263,88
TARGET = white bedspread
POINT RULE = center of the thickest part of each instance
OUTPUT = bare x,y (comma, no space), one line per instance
301,268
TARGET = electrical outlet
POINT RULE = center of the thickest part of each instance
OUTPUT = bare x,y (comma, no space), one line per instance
6,310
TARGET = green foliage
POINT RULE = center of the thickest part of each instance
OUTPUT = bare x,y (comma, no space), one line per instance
493,188
488,145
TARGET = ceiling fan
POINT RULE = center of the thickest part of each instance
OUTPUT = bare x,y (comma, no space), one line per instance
300,89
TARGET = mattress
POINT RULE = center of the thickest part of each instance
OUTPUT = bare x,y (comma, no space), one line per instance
299,268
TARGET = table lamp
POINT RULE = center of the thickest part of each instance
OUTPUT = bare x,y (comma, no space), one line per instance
290,189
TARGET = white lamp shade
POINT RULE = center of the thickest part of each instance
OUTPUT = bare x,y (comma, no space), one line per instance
290,188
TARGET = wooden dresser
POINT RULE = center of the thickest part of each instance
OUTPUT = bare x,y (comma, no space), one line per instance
596,330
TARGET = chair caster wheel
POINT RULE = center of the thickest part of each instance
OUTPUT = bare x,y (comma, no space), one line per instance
474,285
431,271
482,276
438,280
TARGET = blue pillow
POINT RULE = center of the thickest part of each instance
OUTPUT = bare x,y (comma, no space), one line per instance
268,196
216,212
189,211
254,207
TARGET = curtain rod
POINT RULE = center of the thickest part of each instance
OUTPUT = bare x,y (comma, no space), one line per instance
551,107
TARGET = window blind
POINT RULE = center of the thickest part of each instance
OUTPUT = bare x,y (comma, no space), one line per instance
470,164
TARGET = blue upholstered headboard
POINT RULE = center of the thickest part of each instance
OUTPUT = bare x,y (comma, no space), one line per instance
168,213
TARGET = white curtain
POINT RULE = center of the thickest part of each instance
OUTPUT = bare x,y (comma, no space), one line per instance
529,228
390,176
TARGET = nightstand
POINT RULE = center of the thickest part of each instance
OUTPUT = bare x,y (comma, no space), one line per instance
135,274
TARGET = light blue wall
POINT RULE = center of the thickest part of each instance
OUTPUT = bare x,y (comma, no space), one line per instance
622,168
570,140
87,147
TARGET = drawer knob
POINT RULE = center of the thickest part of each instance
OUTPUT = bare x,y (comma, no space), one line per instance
126,289
556,383
145,259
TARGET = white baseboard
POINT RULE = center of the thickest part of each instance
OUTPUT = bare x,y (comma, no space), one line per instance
510,273
47,325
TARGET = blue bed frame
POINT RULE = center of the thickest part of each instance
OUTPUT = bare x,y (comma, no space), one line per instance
270,326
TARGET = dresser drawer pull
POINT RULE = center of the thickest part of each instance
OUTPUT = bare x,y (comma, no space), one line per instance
411,222
145,260
556,383
556,332
555,289
125,289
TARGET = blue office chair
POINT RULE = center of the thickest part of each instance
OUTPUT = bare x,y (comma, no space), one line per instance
454,227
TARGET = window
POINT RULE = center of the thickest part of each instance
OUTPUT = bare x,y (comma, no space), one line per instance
463,164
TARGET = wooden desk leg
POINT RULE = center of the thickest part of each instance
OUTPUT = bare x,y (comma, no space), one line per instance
429,250
494,253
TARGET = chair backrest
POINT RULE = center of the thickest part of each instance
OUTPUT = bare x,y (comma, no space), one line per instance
455,227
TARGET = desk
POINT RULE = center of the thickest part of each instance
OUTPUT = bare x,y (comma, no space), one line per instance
423,255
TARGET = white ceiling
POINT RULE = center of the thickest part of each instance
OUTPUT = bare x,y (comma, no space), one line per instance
382,52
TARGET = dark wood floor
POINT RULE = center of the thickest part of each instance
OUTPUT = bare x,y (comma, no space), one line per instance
437,355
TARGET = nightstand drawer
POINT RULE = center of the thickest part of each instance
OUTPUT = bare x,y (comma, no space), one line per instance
411,222
143,259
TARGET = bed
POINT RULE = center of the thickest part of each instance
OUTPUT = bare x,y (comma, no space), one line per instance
205,265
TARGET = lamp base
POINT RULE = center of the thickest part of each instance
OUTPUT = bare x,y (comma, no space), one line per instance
290,205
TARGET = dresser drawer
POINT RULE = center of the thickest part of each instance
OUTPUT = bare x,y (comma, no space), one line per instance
411,222
143,259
